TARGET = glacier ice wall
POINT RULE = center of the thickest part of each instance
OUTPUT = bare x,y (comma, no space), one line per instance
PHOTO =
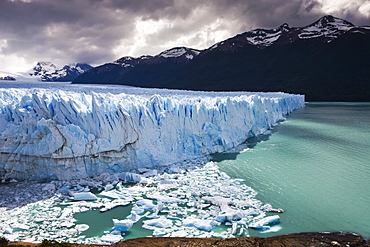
60,134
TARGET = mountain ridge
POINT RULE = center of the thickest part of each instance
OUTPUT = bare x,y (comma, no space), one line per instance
325,60
47,71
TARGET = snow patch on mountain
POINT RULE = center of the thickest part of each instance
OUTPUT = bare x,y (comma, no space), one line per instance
178,52
263,37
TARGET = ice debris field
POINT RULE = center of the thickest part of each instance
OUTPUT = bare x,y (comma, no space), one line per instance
191,202
100,148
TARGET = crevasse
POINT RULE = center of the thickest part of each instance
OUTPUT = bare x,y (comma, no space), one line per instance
50,134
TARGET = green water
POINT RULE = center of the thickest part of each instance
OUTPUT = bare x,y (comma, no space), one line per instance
100,222
316,166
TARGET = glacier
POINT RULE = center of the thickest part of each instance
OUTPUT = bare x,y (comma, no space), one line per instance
72,132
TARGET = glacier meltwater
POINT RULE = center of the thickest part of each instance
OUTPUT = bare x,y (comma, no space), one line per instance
72,133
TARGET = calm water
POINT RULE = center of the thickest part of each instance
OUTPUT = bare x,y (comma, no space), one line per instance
316,166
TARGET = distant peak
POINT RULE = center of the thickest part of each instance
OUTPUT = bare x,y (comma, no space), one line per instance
124,59
329,20
45,63
285,27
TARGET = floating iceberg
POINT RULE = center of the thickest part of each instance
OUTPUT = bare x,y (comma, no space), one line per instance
111,238
161,222
205,225
84,196
122,225
55,134
82,227
265,222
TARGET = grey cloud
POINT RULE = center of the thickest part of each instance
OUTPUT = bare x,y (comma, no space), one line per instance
90,30
74,29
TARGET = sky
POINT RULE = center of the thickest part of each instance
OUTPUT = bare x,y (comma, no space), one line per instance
101,31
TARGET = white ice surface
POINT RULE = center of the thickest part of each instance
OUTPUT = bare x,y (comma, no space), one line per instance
77,132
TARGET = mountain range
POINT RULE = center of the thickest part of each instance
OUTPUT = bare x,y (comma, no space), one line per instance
328,60
47,71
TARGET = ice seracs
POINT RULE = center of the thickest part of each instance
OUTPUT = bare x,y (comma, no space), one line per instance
70,135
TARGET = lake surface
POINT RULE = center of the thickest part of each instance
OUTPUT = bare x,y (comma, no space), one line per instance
316,166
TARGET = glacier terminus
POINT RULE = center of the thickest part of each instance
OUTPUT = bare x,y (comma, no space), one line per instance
72,132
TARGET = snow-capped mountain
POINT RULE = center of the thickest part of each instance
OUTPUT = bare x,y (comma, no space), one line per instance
326,28
326,60
47,71
165,62
181,54
43,68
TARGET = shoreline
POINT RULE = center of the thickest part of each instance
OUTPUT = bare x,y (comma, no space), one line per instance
294,239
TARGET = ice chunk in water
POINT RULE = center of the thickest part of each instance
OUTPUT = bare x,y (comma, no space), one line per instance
161,231
229,215
264,222
205,225
81,227
159,222
18,226
122,225
113,204
84,196
111,238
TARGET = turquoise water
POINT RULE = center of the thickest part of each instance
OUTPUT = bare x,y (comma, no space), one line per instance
316,166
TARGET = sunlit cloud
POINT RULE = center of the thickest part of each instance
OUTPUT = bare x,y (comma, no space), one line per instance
343,8
364,9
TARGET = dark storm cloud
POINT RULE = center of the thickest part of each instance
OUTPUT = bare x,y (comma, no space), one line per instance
57,27
98,31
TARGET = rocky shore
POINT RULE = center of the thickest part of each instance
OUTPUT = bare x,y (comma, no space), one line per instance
296,239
